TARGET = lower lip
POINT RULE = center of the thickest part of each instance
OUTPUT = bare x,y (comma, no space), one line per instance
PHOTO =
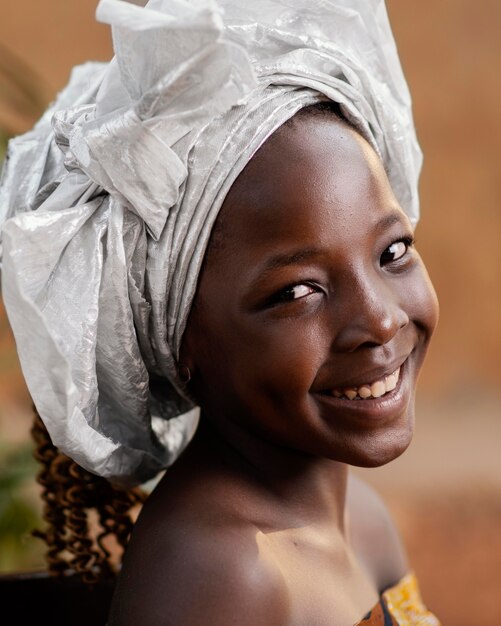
374,409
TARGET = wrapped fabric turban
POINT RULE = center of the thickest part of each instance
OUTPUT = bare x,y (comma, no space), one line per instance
107,204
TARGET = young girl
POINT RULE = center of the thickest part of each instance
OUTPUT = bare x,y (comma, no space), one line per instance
224,218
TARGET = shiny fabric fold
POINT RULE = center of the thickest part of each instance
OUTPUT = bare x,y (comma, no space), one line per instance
107,205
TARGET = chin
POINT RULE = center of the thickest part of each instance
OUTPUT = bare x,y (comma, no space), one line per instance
384,447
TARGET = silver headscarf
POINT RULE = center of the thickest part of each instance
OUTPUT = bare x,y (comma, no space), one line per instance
107,205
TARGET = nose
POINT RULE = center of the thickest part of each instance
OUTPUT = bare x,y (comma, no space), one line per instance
371,315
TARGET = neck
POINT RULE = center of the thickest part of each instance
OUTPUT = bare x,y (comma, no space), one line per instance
310,489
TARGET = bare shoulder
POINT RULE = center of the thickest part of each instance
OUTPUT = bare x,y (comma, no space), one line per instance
375,537
197,570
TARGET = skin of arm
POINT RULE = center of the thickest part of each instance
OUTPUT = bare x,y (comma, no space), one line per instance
374,535
199,576
196,570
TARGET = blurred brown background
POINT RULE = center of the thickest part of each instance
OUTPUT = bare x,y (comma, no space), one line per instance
445,491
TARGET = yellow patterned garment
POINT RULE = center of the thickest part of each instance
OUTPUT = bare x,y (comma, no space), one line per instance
401,605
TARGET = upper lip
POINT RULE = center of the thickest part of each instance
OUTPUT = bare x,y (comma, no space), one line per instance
368,376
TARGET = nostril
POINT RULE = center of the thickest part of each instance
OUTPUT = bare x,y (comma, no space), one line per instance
370,344
371,327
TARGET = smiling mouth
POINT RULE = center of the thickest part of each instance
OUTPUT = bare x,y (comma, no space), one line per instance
367,391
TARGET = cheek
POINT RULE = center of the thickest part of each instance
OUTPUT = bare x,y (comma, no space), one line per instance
265,363
424,308
287,352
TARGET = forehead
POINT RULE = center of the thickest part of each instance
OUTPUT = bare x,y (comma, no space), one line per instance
321,156
313,175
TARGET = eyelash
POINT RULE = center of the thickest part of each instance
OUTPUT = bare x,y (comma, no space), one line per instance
280,298
407,240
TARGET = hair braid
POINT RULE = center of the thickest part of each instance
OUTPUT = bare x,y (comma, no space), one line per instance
81,511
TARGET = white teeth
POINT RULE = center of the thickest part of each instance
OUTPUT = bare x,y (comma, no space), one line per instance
378,389
374,390
364,392
390,382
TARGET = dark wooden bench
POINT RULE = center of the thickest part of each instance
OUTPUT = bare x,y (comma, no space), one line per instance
39,599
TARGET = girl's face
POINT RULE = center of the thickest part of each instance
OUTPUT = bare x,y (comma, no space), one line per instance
311,298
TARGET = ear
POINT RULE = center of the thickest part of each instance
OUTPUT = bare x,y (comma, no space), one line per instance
188,344
188,367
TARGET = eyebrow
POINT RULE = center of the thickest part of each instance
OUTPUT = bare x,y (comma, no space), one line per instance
388,220
289,258
306,254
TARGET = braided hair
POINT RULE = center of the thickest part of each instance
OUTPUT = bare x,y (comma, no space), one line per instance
88,520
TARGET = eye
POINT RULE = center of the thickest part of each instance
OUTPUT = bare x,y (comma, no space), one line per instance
294,292
396,250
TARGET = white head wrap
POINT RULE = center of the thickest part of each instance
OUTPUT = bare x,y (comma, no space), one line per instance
108,203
